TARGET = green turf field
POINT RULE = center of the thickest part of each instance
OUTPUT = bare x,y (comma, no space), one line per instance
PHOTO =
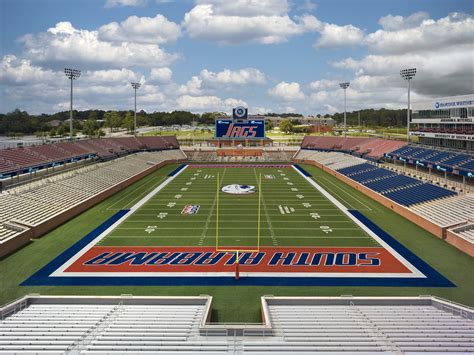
277,214
239,303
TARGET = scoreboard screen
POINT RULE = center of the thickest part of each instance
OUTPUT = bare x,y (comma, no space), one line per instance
242,130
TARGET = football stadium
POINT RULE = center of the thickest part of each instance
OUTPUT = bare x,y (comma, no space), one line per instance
245,239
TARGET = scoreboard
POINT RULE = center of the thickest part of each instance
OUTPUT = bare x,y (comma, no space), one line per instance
244,130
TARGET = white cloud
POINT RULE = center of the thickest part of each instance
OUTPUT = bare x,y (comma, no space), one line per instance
323,84
161,75
244,76
226,79
228,22
396,23
111,76
442,35
287,91
192,86
113,3
207,103
333,36
150,30
248,7
21,72
66,45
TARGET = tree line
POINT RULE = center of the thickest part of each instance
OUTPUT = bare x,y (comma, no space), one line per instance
95,122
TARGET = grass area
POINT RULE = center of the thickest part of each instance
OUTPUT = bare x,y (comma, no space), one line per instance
240,304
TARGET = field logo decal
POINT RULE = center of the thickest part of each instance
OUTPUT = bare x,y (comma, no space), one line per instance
190,209
236,189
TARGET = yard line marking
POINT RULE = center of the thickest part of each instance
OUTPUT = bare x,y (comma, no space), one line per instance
348,193
267,217
211,212
292,237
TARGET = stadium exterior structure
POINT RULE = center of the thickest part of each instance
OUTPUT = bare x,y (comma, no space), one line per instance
445,122
289,324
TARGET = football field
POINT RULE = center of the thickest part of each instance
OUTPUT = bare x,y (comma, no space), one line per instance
283,209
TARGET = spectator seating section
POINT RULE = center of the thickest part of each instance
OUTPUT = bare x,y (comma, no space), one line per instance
466,231
16,160
448,212
448,159
32,204
402,189
374,148
178,325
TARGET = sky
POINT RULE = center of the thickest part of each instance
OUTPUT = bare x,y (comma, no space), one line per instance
213,55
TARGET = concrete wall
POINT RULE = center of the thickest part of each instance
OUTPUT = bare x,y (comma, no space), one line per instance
427,225
39,230
459,242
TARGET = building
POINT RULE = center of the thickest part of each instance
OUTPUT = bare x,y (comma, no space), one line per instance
444,122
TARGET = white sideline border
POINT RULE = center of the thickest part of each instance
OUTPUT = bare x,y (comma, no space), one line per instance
60,272
149,196
415,272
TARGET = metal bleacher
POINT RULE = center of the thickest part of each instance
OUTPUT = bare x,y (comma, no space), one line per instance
29,205
180,325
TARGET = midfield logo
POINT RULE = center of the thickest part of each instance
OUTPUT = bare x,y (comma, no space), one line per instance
190,209
237,189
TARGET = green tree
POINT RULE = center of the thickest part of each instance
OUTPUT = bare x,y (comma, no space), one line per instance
52,132
61,131
112,120
128,121
90,128
286,126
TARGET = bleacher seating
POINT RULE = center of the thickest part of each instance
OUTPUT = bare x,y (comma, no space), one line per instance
178,325
447,159
402,189
16,160
448,212
374,148
466,231
36,202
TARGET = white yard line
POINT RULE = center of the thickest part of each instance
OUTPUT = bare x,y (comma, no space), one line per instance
269,222
211,212
346,192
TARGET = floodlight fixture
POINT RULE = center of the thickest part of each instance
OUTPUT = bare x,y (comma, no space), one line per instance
135,86
72,74
408,75
344,86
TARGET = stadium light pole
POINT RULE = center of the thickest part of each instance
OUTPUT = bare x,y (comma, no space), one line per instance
135,86
344,86
72,74
408,74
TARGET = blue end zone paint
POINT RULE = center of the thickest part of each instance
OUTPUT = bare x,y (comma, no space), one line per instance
177,170
300,169
42,276
433,278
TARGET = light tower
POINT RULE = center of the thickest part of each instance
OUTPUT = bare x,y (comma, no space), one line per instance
135,86
344,86
408,74
72,74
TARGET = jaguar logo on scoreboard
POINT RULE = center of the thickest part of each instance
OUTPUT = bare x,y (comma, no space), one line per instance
240,113
248,129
